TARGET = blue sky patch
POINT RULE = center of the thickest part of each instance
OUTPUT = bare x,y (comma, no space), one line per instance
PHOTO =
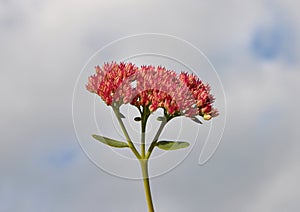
276,40
269,43
61,158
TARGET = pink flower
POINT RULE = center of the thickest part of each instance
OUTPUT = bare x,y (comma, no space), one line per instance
112,82
201,93
152,87
161,88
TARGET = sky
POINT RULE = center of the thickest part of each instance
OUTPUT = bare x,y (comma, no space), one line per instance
254,48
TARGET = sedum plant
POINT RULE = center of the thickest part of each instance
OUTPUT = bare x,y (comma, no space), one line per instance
148,88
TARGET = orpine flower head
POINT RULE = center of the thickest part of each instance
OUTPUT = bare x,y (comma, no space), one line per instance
161,88
201,93
152,88
112,82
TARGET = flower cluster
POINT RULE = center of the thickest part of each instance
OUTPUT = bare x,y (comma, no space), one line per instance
152,87
161,88
112,82
201,94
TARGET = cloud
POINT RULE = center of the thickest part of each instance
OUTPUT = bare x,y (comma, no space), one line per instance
278,193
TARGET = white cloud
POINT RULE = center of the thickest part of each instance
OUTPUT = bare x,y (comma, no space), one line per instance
278,193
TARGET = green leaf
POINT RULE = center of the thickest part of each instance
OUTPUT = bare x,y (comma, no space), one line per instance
161,118
121,115
137,119
172,145
110,142
196,120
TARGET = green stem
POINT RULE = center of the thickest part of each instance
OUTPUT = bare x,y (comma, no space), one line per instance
155,139
144,116
130,144
143,138
144,166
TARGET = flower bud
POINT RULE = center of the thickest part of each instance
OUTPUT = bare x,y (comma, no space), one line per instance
206,117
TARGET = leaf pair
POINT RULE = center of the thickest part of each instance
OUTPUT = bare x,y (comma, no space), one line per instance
164,145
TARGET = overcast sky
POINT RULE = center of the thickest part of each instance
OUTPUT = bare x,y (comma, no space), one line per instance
253,45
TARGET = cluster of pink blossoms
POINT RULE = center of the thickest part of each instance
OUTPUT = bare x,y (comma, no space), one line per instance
152,87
